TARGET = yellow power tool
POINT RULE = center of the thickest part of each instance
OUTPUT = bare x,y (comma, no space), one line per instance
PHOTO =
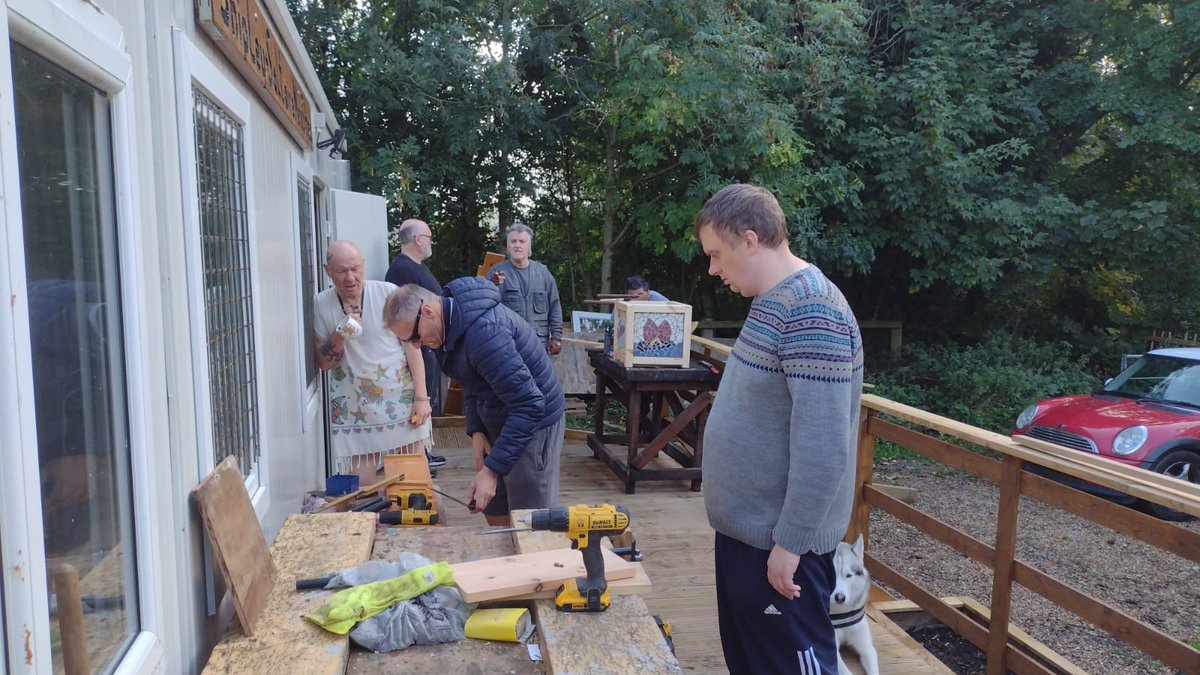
584,525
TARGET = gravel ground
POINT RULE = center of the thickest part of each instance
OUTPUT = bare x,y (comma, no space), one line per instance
1156,587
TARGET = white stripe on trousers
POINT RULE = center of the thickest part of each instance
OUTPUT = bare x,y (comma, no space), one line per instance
808,662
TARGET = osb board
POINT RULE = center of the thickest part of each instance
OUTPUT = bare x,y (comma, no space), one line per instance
239,549
622,639
307,546
516,575
468,656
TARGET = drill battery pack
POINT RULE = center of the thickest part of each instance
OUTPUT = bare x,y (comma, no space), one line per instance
414,506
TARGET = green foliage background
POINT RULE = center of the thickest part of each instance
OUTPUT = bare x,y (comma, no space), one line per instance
1005,173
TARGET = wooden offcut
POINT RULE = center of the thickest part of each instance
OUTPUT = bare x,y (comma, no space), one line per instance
622,639
239,549
307,547
519,575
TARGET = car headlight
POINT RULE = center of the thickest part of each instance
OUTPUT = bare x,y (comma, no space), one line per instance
1027,416
1128,441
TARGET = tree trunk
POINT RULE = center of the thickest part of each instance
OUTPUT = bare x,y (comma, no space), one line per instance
610,198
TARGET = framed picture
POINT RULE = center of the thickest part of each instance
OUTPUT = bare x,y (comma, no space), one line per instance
590,322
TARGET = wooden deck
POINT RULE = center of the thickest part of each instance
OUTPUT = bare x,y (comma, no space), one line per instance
671,529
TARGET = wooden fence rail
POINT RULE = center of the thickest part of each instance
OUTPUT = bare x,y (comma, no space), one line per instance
1009,472
943,440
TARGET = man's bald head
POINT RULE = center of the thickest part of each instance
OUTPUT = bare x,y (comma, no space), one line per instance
342,248
344,265
416,239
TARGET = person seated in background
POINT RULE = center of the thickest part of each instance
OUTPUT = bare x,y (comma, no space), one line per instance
638,288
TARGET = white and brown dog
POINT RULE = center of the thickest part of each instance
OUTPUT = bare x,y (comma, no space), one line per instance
848,606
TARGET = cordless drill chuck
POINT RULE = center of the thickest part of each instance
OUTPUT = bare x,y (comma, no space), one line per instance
584,526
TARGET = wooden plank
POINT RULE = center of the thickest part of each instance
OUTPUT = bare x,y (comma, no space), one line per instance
521,574
1002,564
623,639
239,548
936,449
307,546
1026,641
1136,633
72,635
1173,493
956,539
864,471
1165,535
964,625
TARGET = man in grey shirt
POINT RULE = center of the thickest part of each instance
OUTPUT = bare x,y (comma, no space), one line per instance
528,288
780,443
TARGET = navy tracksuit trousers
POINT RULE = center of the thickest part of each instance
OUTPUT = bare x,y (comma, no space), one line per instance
764,632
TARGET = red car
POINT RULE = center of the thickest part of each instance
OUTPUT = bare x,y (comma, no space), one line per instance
1148,416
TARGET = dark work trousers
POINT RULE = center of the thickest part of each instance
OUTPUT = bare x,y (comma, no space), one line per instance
764,632
433,380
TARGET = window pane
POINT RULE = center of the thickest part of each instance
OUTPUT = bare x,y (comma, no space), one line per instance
308,277
78,358
228,305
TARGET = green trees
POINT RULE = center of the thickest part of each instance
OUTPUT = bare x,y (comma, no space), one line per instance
991,166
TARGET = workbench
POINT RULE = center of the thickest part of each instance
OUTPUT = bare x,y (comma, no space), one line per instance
622,639
648,392
453,543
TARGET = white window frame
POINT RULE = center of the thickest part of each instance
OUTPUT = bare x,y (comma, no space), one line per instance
91,46
310,403
193,68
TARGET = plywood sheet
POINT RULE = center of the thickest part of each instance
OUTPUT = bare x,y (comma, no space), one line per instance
516,575
239,549
306,547
623,639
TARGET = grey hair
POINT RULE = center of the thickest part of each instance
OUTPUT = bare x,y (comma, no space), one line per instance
518,226
408,230
405,302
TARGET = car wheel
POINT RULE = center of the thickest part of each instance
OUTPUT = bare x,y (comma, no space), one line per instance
1183,464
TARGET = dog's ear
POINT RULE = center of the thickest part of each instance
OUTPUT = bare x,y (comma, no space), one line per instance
858,545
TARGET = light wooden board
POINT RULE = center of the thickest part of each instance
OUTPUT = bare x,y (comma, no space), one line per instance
517,575
239,549
623,639
307,546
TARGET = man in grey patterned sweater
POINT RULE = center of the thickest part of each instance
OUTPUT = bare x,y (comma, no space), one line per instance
779,447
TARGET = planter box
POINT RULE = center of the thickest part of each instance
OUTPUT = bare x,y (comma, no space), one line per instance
652,333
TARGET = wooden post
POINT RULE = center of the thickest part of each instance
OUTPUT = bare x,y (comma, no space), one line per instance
1003,563
860,522
70,621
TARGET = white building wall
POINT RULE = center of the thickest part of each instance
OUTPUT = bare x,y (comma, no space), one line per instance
177,610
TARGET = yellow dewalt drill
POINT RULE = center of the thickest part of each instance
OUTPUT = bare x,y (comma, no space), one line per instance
585,526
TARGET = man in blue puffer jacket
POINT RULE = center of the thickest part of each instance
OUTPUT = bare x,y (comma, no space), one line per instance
514,404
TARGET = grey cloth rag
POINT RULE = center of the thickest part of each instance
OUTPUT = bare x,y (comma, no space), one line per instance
431,618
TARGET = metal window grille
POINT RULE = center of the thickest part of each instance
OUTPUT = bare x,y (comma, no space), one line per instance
228,302
308,276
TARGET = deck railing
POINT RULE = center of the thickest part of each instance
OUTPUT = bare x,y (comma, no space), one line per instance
939,438
1003,461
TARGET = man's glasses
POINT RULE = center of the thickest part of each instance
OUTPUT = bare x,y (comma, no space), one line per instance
416,334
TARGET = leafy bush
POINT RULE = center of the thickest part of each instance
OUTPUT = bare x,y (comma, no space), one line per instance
985,385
